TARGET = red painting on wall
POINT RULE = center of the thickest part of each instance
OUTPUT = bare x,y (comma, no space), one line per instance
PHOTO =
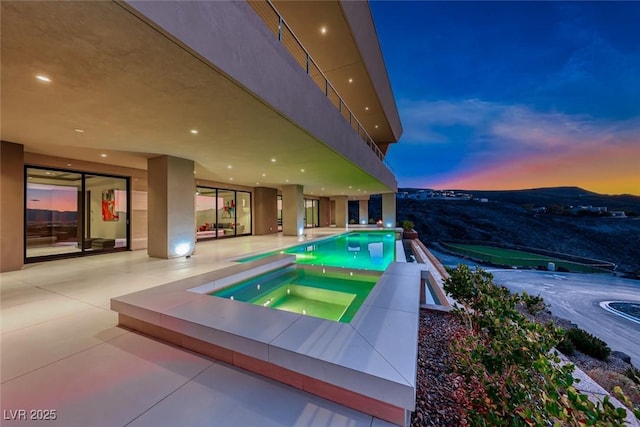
109,206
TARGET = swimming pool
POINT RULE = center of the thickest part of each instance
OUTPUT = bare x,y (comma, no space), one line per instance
362,250
318,292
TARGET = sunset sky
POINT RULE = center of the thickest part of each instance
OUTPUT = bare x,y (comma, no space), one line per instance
513,95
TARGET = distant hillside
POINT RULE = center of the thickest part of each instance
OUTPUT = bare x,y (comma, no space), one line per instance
504,220
565,196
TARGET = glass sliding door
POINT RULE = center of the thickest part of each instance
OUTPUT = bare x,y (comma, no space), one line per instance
311,213
243,213
222,213
206,211
71,213
105,225
227,212
52,212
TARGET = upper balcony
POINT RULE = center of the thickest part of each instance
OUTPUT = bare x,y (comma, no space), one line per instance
343,39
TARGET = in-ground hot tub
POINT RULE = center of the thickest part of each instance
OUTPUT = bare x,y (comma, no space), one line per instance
368,364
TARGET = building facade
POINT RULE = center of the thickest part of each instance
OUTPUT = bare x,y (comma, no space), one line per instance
152,125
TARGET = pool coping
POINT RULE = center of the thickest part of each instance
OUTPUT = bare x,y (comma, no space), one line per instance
369,364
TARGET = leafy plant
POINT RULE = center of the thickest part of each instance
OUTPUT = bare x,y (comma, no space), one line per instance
588,344
407,225
534,304
506,374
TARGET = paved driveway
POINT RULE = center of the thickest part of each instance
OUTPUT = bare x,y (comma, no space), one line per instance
577,297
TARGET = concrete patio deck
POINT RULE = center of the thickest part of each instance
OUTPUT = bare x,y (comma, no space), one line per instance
62,352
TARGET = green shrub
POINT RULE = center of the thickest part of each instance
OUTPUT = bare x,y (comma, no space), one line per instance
588,344
407,225
534,304
566,347
503,368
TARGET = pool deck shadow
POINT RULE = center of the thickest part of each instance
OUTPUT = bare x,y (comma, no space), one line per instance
368,364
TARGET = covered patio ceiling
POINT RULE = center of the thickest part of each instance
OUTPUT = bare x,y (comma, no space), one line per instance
118,87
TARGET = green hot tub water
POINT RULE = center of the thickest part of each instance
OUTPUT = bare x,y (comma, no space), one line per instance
331,295
363,250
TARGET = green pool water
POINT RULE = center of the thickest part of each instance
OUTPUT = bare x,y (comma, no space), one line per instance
370,250
332,295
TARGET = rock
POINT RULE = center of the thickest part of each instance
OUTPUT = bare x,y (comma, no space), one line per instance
620,355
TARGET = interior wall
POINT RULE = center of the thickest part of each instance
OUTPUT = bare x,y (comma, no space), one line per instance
99,227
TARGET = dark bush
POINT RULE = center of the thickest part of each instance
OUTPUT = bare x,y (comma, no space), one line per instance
566,347
588,344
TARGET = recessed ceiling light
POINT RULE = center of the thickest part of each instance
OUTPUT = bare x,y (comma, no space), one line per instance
68,164
273,160
257,183
301,170
194,172
230,178
103,155
194,131
78,130
43,78
286,180
264,174
322,188
376,126
323,30
229,167
350,186
366,108
350,80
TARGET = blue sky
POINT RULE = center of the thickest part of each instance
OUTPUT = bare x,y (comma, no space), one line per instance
503,95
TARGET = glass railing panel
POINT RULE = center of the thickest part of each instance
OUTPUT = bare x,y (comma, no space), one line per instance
317,77
267,14
293,46
274,21
334,98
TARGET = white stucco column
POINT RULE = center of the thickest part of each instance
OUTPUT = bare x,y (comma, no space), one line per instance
342,211
389,209
292,210
171,220
364,211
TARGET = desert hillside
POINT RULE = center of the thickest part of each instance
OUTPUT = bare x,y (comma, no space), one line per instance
510,217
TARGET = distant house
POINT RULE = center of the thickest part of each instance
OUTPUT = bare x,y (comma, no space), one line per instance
429,194
592,209
618,214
